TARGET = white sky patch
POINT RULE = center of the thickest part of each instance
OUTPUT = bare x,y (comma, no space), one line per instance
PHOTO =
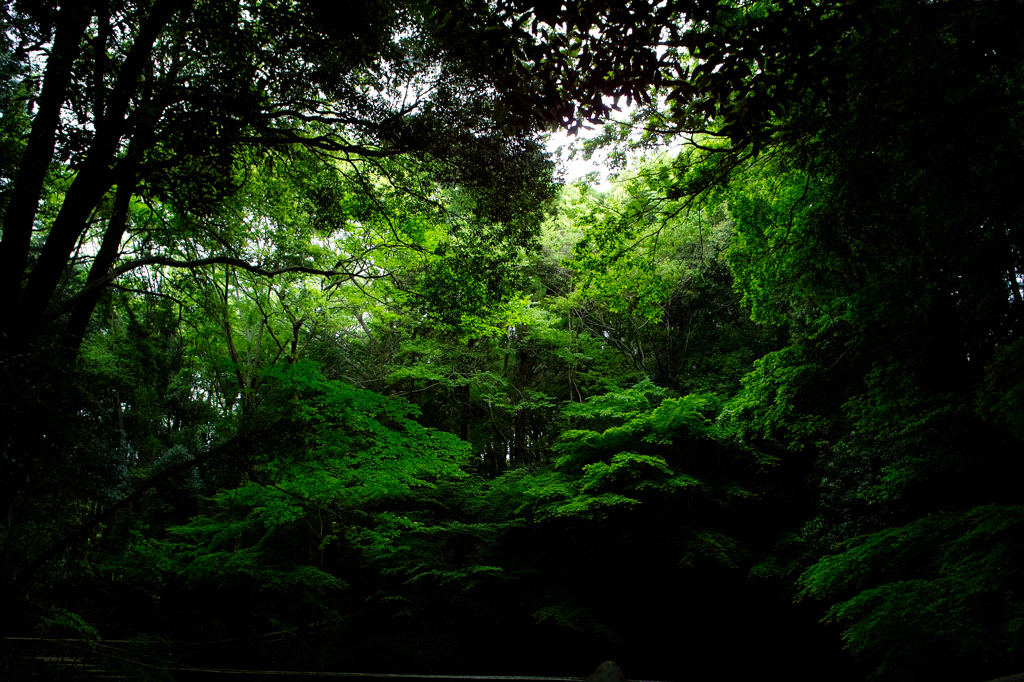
559,143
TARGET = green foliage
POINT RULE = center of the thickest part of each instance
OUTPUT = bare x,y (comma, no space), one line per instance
637,246
774,402
715,548
349,376
647,274
444,553
617,406
680,418
777,259
574,617
654,456
350,449
942,590
61,623
1002,399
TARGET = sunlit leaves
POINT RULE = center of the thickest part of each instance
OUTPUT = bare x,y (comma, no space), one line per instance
655,453
360,450
768,405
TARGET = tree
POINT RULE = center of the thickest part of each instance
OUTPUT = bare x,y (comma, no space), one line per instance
170,102
253,137
885,246
891,251
347,451
653,281
211,440
741,64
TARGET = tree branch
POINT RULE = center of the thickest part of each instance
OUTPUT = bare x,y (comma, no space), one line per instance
114,273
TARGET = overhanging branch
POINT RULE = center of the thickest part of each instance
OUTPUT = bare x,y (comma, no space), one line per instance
114,273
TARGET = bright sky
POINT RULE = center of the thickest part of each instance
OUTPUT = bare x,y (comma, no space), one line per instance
578,168
558,143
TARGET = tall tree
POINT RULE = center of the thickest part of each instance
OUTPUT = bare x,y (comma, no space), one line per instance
886,246
169,101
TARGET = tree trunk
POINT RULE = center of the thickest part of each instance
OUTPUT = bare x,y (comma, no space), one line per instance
94,178
28,184
104,260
